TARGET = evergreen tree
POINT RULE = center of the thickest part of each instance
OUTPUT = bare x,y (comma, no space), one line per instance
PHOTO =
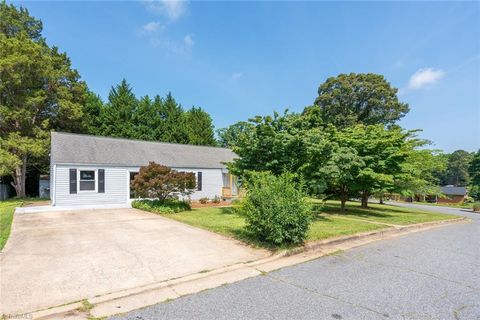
174,124
199,127
39,91
117,116
92,111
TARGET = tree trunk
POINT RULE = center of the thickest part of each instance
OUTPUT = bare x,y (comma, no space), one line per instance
381,199
364,200
342,203
19,178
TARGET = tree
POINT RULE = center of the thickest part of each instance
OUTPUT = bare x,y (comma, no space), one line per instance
174,124
419,172
146,119
161,182
39,91
340,172
92,112
382,151
117,115
15,21
274,144
229,137
474,172
351,99
199,127
457,168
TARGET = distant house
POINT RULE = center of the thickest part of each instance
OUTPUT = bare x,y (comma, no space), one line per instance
452,194
94,170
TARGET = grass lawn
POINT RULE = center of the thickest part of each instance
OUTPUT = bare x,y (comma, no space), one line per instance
452,205
324,227
381,213
328,221
6,216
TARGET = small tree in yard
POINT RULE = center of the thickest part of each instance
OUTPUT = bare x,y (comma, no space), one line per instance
276,208
161,182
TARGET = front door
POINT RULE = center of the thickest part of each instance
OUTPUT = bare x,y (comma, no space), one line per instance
132,176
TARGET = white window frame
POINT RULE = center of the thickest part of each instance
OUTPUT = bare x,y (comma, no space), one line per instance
95,180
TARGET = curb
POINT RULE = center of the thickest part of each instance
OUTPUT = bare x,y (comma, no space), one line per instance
130,299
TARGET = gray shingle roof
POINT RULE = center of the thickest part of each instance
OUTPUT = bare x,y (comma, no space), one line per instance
454,191
71,148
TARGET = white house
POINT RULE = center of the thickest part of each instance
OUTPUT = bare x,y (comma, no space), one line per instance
93,170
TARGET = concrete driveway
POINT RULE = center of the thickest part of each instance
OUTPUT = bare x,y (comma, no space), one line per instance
54,258
433,274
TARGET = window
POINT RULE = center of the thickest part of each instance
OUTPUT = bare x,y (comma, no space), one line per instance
199,181
87,180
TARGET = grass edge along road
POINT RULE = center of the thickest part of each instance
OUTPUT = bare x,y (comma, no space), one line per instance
7,208
328,221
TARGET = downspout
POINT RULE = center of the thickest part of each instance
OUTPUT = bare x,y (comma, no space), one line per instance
53,193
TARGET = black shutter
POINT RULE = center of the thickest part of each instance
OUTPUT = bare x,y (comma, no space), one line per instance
199,181
101,180
73,181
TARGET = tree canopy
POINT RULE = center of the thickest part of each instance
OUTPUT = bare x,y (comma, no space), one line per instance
358,98
39,91
158,119
456,172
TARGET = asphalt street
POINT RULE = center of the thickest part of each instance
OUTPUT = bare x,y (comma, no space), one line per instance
432,274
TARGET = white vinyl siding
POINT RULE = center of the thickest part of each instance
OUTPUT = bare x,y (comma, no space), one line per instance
212,182
115,187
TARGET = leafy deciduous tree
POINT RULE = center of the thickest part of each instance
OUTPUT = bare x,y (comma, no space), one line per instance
161,182
474,171
351,99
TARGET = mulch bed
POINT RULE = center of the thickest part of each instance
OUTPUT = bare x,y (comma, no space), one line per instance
196,204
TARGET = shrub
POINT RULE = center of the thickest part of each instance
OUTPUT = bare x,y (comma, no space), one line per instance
162,207
217,199
276,208
203,200
476,207
160,182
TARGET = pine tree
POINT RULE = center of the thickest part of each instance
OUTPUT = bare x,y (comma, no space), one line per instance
118,114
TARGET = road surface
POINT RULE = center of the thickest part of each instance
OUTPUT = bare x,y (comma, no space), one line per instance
432,274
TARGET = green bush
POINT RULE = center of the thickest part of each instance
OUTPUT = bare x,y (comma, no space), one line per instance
276,208
203,200
162,207
476,207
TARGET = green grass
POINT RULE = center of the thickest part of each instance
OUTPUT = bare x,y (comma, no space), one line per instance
324,227
227,222
328,220
6,216
452,205
382,213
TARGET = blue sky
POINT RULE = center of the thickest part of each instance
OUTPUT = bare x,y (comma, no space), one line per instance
241,59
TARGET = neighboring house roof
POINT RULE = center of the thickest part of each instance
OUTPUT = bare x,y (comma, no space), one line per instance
71,148
454,191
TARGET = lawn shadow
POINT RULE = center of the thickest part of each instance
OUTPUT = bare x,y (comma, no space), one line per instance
356,211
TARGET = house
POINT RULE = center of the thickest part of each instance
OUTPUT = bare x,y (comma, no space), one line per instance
452,194
94,170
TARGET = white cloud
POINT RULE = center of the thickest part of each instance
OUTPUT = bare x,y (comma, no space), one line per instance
151,26
188,41
172,9
237,75
425,77
173,46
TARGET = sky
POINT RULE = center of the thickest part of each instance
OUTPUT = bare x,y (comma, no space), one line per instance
241,59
